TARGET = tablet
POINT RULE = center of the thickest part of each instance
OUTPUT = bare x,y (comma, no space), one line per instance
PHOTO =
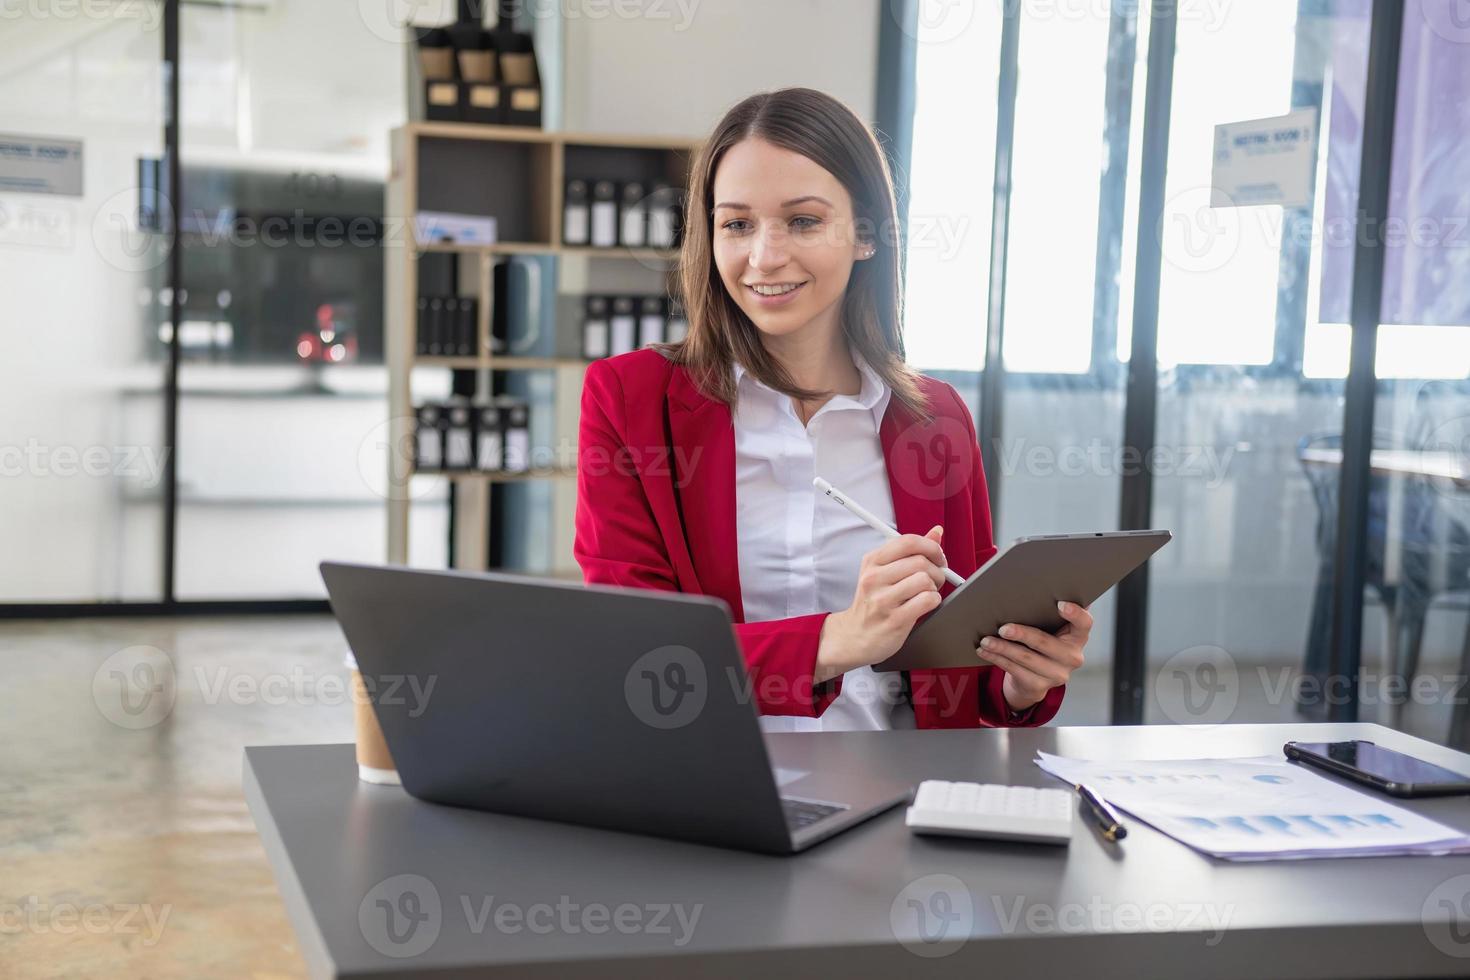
1023,584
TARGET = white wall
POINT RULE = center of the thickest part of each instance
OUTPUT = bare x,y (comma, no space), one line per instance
304,78
676,69
70,319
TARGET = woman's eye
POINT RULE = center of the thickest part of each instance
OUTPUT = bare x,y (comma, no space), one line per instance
739,226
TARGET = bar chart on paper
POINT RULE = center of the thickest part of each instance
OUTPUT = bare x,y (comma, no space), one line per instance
1340,826
1258,808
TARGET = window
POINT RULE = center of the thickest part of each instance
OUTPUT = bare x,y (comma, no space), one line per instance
948,256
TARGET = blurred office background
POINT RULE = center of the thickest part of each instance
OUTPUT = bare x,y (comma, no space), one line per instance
1020,133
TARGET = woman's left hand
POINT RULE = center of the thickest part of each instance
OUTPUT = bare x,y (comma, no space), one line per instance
1036,661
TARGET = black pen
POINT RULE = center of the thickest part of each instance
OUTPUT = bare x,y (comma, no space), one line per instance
1103,815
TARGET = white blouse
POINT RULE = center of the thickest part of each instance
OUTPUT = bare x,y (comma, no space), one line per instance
800,553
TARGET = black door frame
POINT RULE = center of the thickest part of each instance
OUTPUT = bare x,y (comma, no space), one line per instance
1374,175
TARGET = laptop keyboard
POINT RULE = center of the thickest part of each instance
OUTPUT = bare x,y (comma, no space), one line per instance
801,814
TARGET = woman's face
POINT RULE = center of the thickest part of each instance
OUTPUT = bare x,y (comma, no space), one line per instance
782,221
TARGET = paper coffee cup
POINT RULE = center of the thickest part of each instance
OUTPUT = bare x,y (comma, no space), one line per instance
374,761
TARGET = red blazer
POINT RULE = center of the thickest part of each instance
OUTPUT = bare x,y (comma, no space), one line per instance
656,510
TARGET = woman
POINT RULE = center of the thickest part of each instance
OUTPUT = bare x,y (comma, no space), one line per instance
696,459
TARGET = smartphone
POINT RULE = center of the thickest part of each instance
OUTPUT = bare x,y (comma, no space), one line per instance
1382,769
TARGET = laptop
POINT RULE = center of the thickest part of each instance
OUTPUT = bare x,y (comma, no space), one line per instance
626,709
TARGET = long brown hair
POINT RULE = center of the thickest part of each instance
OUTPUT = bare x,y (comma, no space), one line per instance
831,135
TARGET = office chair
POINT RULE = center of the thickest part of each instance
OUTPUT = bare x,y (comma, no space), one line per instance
1323,481
1440,422
1433,551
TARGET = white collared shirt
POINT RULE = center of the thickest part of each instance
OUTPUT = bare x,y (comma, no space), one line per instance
800,553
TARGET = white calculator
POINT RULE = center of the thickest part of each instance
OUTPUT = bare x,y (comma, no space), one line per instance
1020,813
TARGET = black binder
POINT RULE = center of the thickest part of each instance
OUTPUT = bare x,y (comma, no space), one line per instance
465,318
459,438
490,439
428,438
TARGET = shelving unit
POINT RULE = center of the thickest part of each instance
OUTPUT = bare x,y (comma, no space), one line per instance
517,176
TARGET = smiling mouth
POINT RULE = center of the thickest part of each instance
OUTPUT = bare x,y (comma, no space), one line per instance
772,291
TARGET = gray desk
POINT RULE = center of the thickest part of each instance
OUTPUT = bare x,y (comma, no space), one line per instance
506,896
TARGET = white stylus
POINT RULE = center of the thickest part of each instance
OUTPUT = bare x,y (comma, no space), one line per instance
862,514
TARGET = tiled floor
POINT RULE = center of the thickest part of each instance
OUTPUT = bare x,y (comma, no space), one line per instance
125,846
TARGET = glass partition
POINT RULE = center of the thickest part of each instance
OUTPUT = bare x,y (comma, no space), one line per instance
1243,471
82,459
282,379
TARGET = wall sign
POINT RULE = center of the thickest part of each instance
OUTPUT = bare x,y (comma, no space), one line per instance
1265,161
38,165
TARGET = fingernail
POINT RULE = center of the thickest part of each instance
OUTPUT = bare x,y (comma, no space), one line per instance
987,643
1064,607
939,528
1007,631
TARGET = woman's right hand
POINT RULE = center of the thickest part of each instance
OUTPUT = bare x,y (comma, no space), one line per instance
897,583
